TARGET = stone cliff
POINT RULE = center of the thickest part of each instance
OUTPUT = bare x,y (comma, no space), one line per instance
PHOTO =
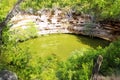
49,21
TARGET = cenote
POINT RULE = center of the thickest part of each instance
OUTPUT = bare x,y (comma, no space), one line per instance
62,45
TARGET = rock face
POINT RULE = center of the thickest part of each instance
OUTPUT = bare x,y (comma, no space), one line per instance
7,75
60,21
108,77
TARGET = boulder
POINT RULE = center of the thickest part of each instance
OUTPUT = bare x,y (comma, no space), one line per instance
7,75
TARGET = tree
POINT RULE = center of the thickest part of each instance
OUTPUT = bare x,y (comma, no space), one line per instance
11,13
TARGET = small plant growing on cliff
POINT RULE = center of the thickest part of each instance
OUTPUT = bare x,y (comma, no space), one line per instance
23,33
89,28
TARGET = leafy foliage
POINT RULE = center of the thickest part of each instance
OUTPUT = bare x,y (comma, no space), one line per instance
5,7
19,33
100,9
79,65
111,59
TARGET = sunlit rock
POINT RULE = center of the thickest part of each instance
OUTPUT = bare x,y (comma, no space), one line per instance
48,21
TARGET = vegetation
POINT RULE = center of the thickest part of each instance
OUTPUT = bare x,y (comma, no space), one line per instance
5,7
23,33
100,9
78,65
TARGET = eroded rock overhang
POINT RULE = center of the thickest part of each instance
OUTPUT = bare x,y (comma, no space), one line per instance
49,21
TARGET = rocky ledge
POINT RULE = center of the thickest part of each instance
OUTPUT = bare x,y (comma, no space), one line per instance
58,20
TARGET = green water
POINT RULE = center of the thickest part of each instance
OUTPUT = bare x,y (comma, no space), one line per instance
61,44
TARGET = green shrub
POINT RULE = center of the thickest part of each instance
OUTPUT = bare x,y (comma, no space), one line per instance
80,63
78,66
20,34
111,61
100,9
5,7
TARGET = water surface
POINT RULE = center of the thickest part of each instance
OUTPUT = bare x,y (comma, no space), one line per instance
61,44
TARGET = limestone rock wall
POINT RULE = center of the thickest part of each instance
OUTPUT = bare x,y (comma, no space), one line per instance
49,21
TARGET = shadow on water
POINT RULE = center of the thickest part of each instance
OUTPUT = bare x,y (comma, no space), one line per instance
61,44
93,42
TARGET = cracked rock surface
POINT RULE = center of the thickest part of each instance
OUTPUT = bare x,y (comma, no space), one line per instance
57,20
